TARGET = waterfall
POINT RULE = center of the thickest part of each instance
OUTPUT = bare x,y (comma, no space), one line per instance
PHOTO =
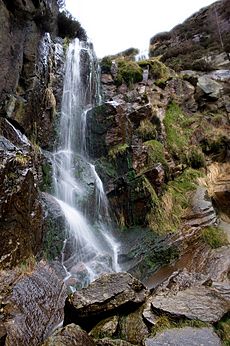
89,249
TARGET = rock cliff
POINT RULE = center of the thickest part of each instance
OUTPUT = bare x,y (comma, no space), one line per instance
160,143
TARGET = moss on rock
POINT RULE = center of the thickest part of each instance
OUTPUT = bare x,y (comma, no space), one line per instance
167,214
128,72
214,237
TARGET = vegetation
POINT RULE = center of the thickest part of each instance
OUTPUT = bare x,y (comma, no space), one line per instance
155,152
223,329
196,158
165,322
128,72
214,237
168,209
70,27
178,134
27,265
118,150
46,177
22,159
106,64
157,70
147,130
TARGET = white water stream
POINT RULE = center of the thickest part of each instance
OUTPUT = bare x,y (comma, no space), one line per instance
89,249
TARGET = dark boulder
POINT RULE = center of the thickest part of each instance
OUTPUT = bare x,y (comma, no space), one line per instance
108,294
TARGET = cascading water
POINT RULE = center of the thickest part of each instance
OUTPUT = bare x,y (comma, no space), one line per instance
89,249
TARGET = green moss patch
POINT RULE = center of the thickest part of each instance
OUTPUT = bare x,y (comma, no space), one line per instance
214,237
155,152
128,72
118,150
178,134
165,322
168,209
157,69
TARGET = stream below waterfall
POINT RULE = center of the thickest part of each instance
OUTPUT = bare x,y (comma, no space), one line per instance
89,249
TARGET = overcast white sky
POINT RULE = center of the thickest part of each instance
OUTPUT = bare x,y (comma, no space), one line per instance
115,25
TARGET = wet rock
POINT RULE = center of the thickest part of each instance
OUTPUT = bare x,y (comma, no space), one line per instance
132,327
71,335
109,293
202,212
203,303
185,336
37,76
53,229
106,328
21,217
218,264
209,86
112,342
99,121
35,306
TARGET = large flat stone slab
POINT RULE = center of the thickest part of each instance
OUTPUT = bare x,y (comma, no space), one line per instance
203,303
185,336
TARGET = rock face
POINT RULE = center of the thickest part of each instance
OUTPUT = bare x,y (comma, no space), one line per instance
53,228
20,206
110,293
34,307
185,336
202,210
71,335
31,92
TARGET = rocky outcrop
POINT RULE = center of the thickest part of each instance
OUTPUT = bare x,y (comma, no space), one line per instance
53,228
201,303
200,43
110,293
30,93
202,211
34,306
185,336
20,206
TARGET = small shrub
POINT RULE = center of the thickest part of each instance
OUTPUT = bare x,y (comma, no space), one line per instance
70,27
128,72
147,130
118,150
161,36
106,64
214,237
196,158
157,69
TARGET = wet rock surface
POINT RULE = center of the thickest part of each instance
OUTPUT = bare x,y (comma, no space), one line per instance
30,93
185,336
20,206
110,293
34,307
53,229
203,303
